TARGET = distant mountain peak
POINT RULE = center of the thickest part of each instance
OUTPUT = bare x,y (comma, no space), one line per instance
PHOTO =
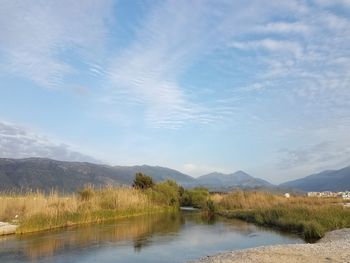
240,171
329,180
237,179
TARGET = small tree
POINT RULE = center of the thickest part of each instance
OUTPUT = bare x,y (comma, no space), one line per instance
142,181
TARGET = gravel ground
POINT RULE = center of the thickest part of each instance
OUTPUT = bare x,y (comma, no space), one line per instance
334,247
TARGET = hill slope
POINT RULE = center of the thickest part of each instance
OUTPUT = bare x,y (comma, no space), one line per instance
238,179
332,180
46,174
158,173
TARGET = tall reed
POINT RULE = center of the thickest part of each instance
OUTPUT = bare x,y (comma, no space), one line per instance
37,211
312,217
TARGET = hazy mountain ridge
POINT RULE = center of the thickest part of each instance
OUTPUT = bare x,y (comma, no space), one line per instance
238,179
47,174
158,173
330,180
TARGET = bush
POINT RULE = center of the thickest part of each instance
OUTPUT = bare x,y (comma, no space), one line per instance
142,181
211,207
166,193
196,197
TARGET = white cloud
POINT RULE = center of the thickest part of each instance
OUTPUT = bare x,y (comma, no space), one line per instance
327,3
293,53
37,36
316,157
271,45
201,169
20,142
284,28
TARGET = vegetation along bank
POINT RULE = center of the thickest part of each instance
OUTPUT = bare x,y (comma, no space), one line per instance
312,217
37,211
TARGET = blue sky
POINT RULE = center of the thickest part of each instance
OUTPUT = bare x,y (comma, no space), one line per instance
198,86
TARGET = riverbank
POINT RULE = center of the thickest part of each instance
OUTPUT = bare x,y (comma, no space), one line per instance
309,217
33,212
334,247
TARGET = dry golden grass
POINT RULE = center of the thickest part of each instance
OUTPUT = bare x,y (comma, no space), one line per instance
311,217
216,198
254,200
39,211
16,207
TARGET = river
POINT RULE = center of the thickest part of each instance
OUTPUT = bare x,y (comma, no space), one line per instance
168,237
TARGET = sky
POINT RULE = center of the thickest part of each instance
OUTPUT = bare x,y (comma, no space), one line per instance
197,86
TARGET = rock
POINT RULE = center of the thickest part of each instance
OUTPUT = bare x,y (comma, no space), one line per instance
7,229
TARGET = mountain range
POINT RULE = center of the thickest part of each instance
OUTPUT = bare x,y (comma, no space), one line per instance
47,174
330,180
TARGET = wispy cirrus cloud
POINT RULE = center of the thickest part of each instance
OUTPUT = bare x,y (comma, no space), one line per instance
257,68
306,59
147,71
36,35
174,36
322,54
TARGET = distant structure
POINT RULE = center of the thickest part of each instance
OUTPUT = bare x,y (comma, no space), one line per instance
345,195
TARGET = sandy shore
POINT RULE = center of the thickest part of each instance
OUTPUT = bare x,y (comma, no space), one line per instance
334,247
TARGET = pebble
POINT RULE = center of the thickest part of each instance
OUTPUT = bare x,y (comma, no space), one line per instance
334,247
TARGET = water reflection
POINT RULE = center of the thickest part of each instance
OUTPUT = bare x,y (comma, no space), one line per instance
138,230
150,235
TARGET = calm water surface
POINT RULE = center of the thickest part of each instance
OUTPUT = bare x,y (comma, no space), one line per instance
174,237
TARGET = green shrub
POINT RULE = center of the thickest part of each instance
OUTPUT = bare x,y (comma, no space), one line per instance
142,181
166,193
211,207
186,199
196,197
